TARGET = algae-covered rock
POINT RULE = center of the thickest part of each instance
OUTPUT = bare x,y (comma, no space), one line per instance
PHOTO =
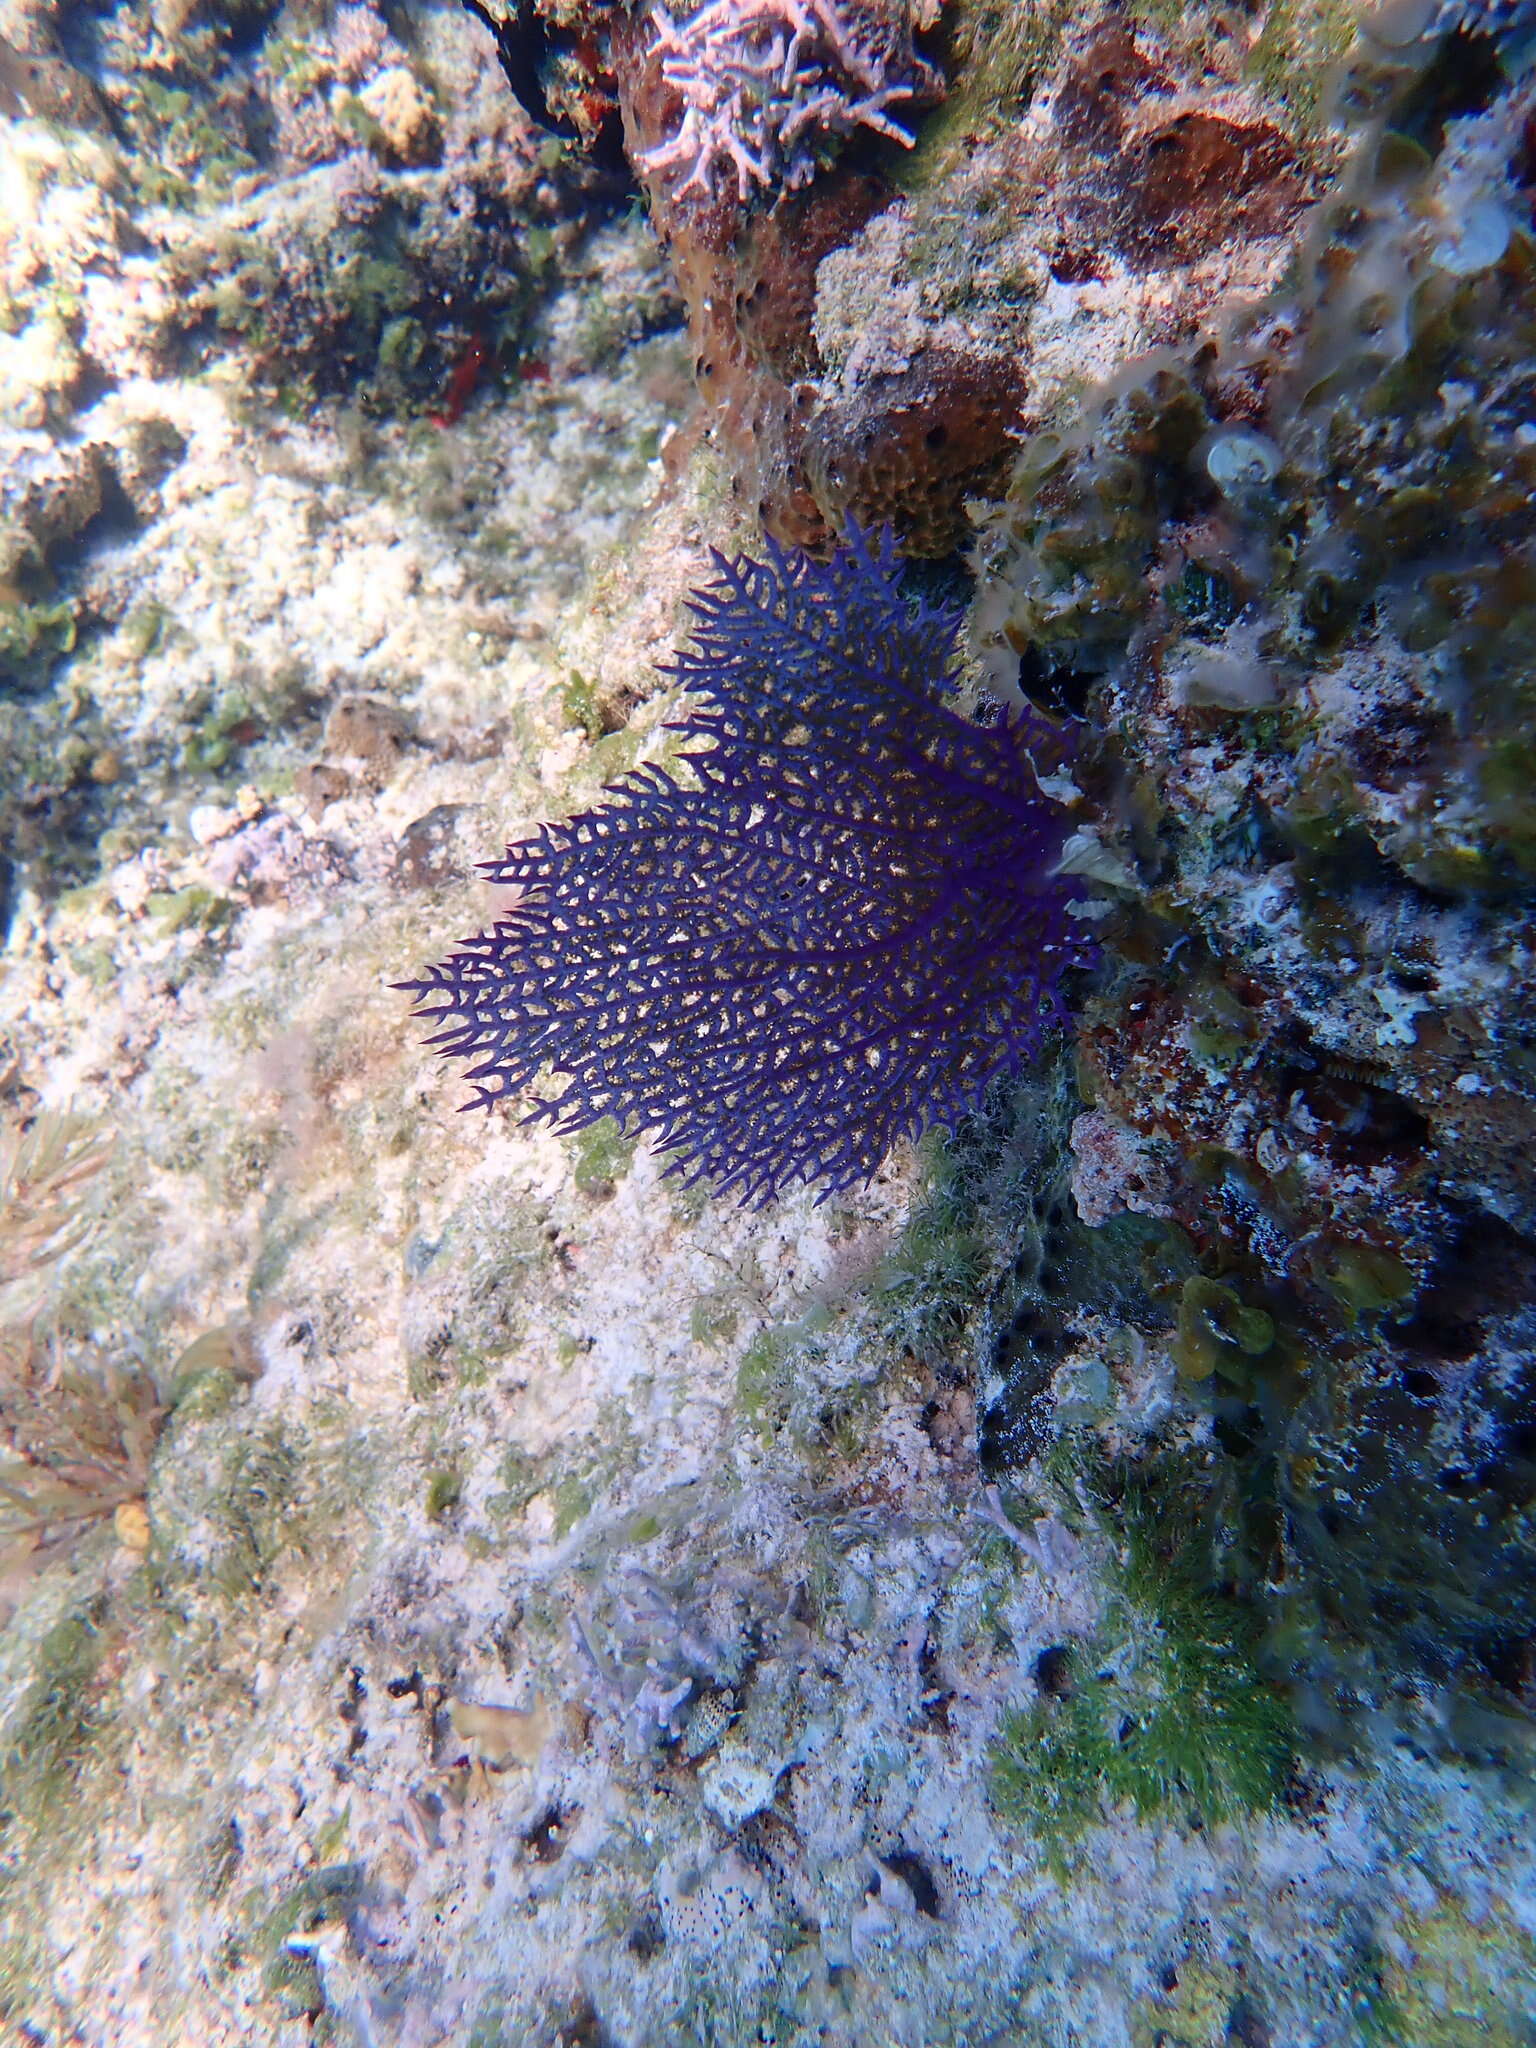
868,344
1283,575
987,1605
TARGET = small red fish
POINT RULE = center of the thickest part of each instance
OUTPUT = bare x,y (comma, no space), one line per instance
461,384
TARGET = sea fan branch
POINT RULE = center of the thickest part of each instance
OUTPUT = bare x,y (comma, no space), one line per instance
840,934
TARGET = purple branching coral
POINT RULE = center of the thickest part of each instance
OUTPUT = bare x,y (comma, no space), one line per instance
762,82
831,927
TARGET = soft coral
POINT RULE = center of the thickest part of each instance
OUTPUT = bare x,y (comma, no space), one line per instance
837,930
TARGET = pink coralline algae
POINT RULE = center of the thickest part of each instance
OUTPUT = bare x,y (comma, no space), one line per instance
761,84
1116,1169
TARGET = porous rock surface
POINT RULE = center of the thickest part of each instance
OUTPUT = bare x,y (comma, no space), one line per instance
572,1609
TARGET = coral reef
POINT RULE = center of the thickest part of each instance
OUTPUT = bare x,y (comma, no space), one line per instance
861,326
134,302
561,1606
1289,576
331,205
761,85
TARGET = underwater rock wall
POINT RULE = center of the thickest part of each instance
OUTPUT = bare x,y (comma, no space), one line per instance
459,1586
866,348
1284,576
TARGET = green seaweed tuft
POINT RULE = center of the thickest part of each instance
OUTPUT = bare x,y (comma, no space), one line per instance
1163,1710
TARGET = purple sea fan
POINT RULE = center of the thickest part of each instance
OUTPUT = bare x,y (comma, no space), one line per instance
831,926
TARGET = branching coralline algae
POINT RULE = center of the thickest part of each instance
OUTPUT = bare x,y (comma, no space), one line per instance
832,928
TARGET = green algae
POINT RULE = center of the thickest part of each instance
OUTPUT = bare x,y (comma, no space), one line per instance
579,704
1203,2008
206,1392
179,129
1368,1279
1452,1979
928,1284
60,1746
193,908
445,1489
264,1511
1217,1330
1295,56
1163,1710
486,1260
46,1744
402,345
600,1157
325,1898
1001,48
33,636
521,1477
763,1381
573,1499
714,1318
